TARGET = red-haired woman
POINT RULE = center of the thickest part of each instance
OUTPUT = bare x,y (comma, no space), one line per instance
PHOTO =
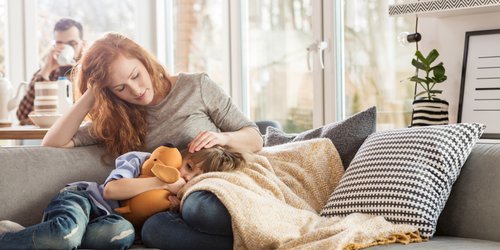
135,105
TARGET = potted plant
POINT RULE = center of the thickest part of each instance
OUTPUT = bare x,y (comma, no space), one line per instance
428,109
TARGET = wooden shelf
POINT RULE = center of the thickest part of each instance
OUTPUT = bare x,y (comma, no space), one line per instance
444,8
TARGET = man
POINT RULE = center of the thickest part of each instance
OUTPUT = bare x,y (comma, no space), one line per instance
66,31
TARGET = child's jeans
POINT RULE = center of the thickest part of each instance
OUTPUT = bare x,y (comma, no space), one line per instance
71,220
205,224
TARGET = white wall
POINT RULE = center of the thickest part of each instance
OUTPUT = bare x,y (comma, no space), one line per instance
447,35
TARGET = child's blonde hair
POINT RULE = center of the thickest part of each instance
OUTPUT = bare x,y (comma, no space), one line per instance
216,159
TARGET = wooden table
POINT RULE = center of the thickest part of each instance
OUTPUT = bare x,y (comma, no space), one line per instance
22,132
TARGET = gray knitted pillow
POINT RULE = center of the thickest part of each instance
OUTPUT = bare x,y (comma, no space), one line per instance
346,135
405,175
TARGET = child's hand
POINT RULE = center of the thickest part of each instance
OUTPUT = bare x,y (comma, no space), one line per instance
175,203
176,186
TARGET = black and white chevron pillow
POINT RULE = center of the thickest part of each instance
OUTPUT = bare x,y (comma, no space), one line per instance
405,175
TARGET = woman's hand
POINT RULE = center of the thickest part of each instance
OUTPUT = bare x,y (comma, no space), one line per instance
207,139
176,186
247,139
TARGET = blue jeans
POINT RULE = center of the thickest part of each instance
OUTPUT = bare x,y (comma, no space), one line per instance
71,220
205,224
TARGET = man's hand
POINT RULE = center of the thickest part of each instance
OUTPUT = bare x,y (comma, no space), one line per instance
50,62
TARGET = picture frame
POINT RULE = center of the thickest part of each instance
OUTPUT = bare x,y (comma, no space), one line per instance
480,84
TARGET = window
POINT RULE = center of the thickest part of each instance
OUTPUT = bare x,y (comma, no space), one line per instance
200,43
280,83
376,66
372,67
269,76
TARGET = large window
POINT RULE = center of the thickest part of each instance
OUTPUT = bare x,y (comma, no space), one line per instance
276,34
271,78
376,66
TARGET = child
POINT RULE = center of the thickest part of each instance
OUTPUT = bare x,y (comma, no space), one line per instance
86,203
215,159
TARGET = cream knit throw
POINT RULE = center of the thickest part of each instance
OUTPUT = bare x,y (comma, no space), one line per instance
275,202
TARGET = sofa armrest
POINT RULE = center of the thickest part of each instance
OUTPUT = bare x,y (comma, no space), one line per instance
32,176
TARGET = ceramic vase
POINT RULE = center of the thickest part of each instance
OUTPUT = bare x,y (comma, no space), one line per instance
429,112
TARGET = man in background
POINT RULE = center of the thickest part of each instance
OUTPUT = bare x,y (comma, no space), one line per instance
66,31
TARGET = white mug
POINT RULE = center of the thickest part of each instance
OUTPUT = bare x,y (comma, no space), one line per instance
66,57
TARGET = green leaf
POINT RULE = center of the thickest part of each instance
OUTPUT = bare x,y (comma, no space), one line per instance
432,56
421,57
439,71
419,65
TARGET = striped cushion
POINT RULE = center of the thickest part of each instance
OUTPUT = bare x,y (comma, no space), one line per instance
427,113
405,175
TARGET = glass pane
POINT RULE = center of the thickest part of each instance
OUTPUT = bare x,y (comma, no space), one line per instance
199,37
280,85
3,35
376,66
3,56
96,17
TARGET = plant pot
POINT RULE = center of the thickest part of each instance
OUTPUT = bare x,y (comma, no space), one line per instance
429,112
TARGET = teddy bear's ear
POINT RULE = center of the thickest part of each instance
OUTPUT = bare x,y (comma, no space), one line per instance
166,173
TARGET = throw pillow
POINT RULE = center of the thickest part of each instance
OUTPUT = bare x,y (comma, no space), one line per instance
346,135
405,175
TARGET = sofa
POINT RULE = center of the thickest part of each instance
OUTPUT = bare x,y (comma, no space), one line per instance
31,176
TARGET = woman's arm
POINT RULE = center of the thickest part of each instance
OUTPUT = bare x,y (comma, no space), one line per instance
61,133
247,139
126,188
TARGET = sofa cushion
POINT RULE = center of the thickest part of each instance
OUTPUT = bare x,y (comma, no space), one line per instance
444,243
405,175
32,176
473,209
346,135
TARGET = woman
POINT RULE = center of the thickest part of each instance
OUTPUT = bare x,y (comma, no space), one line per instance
134,104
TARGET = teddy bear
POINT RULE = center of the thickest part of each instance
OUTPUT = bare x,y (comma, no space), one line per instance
164,163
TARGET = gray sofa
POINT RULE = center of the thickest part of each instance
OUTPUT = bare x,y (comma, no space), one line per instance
31,176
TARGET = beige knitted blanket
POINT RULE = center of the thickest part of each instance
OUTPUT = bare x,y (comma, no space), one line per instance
275,202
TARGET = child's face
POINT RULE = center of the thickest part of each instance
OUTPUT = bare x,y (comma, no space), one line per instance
189,170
